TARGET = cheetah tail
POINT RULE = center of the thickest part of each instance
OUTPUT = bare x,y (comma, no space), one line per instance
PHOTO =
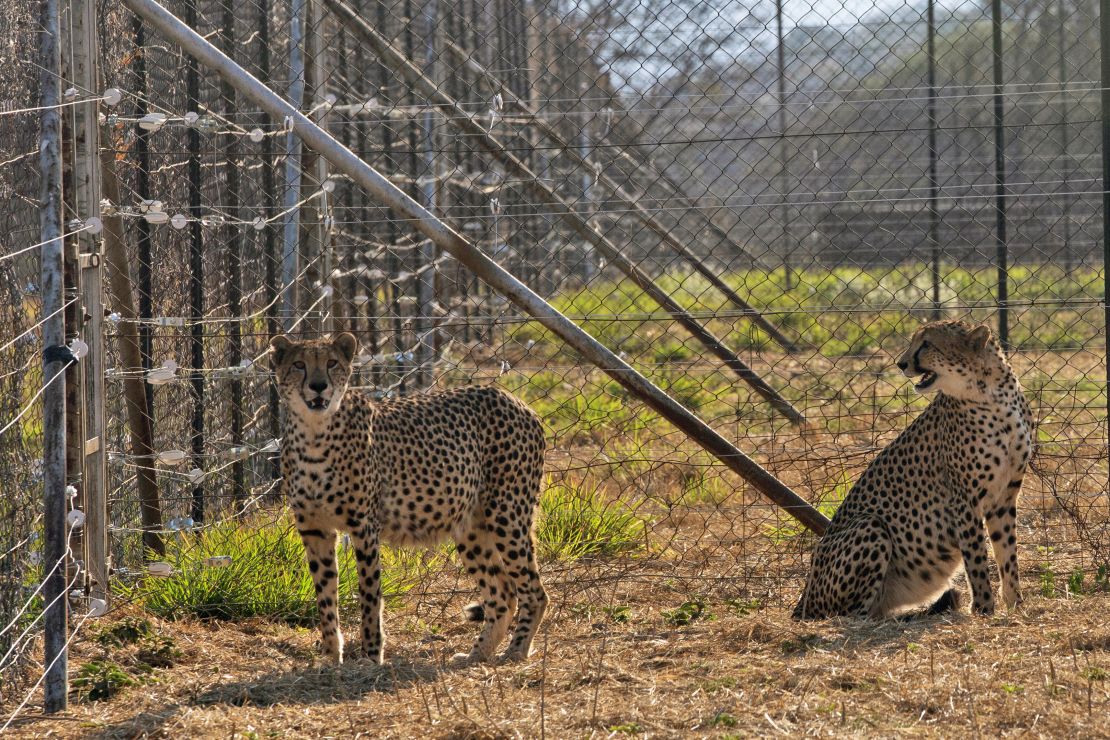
474,612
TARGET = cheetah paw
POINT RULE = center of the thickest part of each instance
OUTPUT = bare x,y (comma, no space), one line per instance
464,660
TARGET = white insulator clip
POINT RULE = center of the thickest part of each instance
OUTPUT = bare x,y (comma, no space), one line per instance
152,121
172,457
162,375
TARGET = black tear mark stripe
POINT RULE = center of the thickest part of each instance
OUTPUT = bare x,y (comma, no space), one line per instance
1014,484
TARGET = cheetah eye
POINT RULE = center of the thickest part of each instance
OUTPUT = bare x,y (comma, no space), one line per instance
299,365
332,364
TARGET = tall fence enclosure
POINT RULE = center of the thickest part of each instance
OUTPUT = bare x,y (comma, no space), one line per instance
692,236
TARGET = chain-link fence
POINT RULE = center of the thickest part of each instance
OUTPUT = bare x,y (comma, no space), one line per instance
753,204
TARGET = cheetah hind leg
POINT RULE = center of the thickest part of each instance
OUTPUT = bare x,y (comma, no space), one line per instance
949,601
848,572
525,576
484,563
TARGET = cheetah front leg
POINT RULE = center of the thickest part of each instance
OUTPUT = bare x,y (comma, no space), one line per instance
968,531
367,546
319,549
1002,525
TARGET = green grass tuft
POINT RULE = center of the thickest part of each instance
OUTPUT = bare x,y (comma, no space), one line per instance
267,576
576,522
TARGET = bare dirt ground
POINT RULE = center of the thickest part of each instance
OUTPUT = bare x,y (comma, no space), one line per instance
627,668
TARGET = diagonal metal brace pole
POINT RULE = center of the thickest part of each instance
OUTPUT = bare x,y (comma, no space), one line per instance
394,59
378,186
630,200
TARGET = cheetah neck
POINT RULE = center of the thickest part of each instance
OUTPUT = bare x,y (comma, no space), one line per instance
308,433
1003,395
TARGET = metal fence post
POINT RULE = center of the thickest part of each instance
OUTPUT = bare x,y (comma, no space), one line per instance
196,272
427,182
780,72
54,363
234,263
86,196
1002,256
1104,43
934,216
291,216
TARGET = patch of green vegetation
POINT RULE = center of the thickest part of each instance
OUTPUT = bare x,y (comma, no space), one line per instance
1047,577
99,680
617,614
687,613
1095,673
802,644
703,485
627,728
1013,688
1102,578
743,607
723,719
578,522
1075,581
267,575
671,351
125,632
717,685
158,651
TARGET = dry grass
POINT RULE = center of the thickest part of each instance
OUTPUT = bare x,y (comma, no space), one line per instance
611,661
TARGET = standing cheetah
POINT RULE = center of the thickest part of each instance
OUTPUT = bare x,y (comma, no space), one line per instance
916,515
465,464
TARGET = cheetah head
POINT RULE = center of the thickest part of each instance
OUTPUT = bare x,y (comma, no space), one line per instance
312,374
956,358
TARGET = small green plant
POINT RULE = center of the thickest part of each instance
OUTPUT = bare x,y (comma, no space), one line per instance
125,632
1075,581
618,614
687,612
627,728
723,719
99,680
716,685
802,643
1047,578
576,522
1102,578
743,607
1013,688
158,651
1095,673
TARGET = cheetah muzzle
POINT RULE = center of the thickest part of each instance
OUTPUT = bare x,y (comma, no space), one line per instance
463,464
916,515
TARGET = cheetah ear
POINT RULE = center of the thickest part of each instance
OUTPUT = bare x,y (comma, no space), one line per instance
979,337
346,344
279,345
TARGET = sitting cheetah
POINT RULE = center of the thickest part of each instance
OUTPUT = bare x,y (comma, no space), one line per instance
916,515
465,464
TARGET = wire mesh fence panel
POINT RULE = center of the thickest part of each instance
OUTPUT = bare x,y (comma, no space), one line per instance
754,205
